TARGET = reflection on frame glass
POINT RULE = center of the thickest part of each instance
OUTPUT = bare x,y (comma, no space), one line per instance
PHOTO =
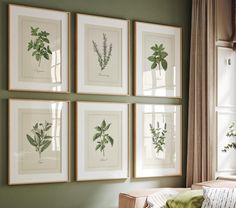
39,49
157,60
157,140
38,143
102,55
226,145
226,63
102,141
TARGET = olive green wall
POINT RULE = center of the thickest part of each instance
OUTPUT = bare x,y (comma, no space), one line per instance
100,194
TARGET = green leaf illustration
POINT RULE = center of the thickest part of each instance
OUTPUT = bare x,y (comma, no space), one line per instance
102,147
48,137
46,56
39,45
103,125
164,54
98,146
158,57
96,136
46,145
107,127
31,140
154,65
110,140
40,140
164,64
152,58
231,133
158,137
102,137
98,128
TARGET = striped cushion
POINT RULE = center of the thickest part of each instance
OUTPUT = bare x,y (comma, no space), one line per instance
219,197
158,199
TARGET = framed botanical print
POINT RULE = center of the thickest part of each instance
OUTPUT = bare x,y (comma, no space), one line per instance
38,141
226,64
158,64
102,141
38,49
102,55
226,141
158,141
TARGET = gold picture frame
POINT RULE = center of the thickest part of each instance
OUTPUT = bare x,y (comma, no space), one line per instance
103,111
153,75
44,68
91,76
38,150
148,162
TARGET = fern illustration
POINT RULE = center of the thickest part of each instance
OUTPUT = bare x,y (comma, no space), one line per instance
104,58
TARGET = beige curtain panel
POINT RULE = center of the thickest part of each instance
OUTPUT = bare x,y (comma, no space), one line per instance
233,38
201,123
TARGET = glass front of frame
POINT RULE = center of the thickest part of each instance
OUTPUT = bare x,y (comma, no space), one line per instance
226,64
38,49
102,55
158,140
38,141
158,60
102,142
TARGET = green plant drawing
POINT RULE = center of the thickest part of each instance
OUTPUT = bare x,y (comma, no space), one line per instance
231,133
40,139
104,57
102,137
158,58
158,137
39,45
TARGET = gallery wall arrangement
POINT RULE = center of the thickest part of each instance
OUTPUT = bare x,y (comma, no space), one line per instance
29,99
39,61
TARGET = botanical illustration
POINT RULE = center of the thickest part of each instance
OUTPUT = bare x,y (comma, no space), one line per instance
158,137
231,133
104,57
102,137
40,138
158,58
39,44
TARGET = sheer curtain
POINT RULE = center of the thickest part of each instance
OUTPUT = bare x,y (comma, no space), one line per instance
201,122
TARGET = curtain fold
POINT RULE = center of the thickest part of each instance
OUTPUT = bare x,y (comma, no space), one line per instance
201,121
